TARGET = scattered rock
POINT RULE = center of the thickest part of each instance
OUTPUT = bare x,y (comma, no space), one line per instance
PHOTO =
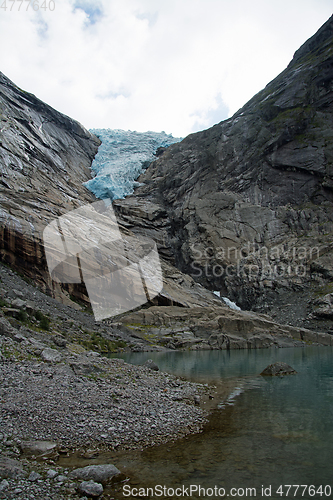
196,400
6,328
19,337
4,485
60,341
278,369
61,478
51,474
90,488
34,476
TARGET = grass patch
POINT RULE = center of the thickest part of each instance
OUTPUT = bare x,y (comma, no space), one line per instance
135,326
102,345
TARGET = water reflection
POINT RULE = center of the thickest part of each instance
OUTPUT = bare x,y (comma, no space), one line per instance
271,431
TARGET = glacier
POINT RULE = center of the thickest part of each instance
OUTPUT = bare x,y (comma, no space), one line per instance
121,158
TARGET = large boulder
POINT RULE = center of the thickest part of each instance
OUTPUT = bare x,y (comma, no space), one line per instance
97,473
278,369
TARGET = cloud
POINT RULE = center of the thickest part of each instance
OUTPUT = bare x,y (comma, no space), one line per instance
178,66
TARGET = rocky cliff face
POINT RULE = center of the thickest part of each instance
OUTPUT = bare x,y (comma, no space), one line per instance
44,159
245,207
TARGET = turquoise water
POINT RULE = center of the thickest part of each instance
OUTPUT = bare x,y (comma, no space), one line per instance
267,434
270,432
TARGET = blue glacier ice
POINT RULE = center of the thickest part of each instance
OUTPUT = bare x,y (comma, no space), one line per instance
121,158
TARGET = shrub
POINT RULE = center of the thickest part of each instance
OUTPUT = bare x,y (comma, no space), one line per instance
22,316
45,323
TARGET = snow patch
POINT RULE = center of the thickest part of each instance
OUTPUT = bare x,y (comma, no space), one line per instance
231,304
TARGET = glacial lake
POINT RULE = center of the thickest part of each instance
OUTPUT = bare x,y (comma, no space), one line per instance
269,431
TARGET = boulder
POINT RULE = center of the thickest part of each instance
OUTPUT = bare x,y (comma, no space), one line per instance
19,304
11,468
6,328
4,485
34,476
278,369
98,473
51,355
37,447
91,489
151,365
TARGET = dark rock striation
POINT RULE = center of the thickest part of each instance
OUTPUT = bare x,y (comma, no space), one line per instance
44,159
245,207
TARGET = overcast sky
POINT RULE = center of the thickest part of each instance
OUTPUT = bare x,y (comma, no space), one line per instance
173,65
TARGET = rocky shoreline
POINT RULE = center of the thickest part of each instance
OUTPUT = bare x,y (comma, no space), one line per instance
48,410
58,394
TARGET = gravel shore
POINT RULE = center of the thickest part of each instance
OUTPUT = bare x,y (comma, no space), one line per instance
58,395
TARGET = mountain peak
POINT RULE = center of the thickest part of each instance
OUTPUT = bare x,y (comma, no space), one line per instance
320,40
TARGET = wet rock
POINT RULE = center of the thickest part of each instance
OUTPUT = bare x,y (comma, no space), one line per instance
277,369
98,473
196,400
151,365
37,447
91,489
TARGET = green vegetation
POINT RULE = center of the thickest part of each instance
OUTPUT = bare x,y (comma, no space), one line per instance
44,321
140,326
325,289
104,346
3,303
22,316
